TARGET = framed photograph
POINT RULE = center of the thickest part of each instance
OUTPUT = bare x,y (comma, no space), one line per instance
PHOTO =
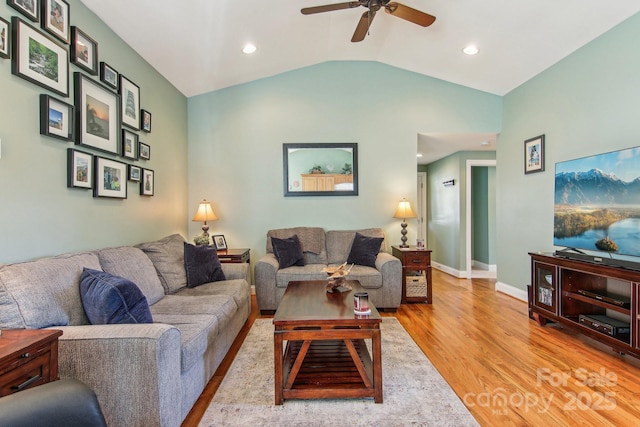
219,241
145,120
5,38
147,184
144,151
534,155
110,178
79,169
28,8
84,51
38,58
130,99
97,115
108,75
135,173
320,169
56,18
129,144
56,118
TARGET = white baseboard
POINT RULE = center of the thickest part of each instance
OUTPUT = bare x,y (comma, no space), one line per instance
512,291
452,271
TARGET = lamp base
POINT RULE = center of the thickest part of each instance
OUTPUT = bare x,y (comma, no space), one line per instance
403,239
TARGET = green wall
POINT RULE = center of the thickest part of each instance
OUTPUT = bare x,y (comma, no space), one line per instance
39,215
588,103
480,214
236,136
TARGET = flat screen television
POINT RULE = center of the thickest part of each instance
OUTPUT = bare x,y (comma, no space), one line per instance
597,206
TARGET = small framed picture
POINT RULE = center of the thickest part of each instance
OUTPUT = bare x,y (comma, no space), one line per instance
98,118
110,178
534,155
28,8
145,118
84,51
130,102
147,184
108,75
144,151
56,118
5,38
79,169
219,241
129,144
135,173
56,18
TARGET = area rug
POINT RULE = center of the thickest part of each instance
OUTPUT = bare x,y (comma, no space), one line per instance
414,393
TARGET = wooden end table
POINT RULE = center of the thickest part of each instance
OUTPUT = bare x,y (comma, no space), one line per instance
234,255
414,259
326,355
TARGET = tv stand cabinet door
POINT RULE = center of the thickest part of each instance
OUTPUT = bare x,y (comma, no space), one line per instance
545,287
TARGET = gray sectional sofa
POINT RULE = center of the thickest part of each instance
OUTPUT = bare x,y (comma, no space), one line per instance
143,374
321,249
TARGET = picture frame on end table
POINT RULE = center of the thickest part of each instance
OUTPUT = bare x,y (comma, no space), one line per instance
135,173
30,8
144,151
130,102
110,178
147,184
84,51
220,242
79,169
51,69
55,19
129,144
56,118
97,115
5,38
108,75
145,121
534,155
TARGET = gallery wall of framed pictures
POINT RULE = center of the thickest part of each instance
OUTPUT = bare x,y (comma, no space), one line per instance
105,115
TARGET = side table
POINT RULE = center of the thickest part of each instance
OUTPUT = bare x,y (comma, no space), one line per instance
234,255
28,357
414,259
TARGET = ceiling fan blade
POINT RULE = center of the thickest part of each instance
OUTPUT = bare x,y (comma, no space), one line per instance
363,26
329,7
410,14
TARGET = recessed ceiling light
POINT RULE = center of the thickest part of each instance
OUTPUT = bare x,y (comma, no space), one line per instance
485,143
419,154
249,48
470,50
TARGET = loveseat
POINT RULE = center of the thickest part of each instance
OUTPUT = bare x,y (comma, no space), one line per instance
144,374
323,248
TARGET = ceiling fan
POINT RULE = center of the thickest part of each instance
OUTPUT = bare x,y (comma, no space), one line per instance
392,8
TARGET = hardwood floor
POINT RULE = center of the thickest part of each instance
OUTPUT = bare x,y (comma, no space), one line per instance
505,368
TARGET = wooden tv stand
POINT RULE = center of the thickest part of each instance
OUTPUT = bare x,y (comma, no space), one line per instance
572,292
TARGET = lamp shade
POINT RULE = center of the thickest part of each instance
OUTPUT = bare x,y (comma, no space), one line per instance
205,212
404,210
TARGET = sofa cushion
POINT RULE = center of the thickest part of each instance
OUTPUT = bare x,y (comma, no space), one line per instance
131,263
308,272
288,251
45,292
339,243
202,265
167,256
238,289
364,250
109,299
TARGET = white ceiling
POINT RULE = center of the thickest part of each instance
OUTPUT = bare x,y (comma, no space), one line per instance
196,44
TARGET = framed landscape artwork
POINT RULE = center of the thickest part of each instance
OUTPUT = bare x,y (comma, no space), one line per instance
130,99
98,115
147,184
84,51
5,38
39,59
79,169
28,8
56,118
55,19
111,178
534,155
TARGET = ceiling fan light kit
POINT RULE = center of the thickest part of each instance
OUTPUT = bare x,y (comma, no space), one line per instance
392,8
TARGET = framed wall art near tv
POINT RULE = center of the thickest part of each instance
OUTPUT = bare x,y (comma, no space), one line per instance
97,115
79,169
108,75
5,38
56,118
534,155
55,19
130,100
129,144
84,51
147,184
145,151
145,120
135,173
38,58
29,8
110,178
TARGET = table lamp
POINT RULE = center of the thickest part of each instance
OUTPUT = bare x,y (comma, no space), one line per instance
404,211
203,214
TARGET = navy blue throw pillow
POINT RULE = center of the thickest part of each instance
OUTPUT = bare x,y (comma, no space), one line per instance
288,251
202,265
364,250
109,299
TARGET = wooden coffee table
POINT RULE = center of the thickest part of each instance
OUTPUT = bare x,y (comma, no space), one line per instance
326,355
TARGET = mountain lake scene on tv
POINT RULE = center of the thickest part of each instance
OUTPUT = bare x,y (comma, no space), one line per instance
597,203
